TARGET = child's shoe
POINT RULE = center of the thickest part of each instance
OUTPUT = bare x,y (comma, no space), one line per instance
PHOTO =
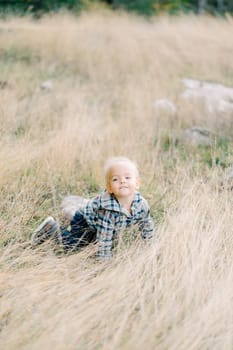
46,230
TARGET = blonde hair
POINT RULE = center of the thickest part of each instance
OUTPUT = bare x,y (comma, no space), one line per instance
119,160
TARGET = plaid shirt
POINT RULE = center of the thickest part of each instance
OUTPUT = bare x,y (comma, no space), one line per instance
107,216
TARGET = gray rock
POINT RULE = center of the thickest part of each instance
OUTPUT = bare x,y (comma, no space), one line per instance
198,136
216,97
70,204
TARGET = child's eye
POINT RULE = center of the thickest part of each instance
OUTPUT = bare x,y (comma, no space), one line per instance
114,179
128,177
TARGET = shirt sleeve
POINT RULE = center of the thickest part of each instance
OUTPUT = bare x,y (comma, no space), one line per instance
146,226
104,235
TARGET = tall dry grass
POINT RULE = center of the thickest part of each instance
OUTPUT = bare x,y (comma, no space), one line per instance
107,70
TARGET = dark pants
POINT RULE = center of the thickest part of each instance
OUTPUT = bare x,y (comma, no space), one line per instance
79,235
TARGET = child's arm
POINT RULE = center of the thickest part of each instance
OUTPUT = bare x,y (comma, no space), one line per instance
146,226
105,228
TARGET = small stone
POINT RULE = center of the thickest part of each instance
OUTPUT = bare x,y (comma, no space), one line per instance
47,85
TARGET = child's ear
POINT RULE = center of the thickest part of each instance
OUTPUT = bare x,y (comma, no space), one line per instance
108,188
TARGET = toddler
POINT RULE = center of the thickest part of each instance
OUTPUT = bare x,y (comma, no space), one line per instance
101,219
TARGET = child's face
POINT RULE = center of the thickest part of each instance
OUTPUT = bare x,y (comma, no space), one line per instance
122,181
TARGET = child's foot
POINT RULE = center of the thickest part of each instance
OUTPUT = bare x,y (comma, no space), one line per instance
45,231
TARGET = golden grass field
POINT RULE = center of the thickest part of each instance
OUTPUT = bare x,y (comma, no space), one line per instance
107,70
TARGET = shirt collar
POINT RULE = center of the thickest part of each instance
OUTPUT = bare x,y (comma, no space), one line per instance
109,202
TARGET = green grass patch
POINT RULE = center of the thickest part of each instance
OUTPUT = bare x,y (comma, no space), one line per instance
14,54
